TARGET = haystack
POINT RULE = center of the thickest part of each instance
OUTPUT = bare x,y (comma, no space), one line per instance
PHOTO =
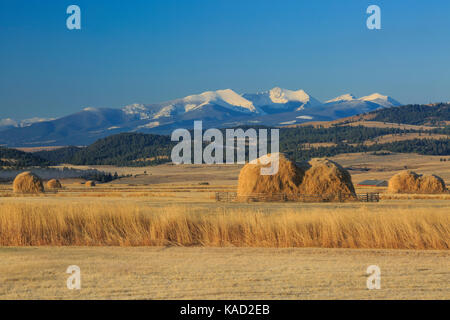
323,179
54,184
327,179
27,182
411,182
404,182
285,181
90,184
432,184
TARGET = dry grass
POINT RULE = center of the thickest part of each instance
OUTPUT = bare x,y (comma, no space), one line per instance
388,138
405,196
221,273
69,224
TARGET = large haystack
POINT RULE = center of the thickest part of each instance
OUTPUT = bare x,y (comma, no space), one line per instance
327,179
285,181
411,182
90,184
318,179
54,184
27,182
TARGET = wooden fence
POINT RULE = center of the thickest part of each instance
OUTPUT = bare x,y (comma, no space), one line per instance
281,197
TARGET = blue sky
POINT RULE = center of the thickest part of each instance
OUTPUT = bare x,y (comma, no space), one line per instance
151,51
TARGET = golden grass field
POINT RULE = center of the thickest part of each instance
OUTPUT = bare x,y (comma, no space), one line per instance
94,224
160,234
221,273
179,225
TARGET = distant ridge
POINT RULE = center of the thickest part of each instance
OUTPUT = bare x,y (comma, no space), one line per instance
218,109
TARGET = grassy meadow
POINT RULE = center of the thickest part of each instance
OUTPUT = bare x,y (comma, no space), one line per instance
32,224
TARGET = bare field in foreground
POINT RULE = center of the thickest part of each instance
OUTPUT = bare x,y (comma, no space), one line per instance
221,273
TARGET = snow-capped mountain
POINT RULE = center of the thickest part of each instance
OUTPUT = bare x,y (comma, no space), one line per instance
218,109
380,99
9,123
344,97
348,105
278,100
384,101
227,99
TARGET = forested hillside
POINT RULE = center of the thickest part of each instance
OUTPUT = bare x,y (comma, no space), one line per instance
61,155
420,146
299,143
125,149
433,115
12,158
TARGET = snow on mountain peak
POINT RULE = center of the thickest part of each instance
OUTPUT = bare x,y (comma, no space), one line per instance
281,99
279,95
134,108
380,99
225,98
374,96
137,110
344,97
8,122
22,123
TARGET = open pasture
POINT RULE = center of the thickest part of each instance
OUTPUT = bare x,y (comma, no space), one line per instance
199,248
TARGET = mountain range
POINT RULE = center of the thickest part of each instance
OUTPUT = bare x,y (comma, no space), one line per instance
221,108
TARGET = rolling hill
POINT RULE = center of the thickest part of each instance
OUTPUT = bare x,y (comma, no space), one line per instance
121,149
419,117
12,158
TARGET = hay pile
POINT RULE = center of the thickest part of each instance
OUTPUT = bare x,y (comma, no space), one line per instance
323,179
90,184
286,181
432,184
54,184
411,182
327,178
27,182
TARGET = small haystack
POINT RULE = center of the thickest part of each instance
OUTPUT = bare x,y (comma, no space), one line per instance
54,184
322,179
90,183
328,179
432,184
285,181
404,182
27,182
411,182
